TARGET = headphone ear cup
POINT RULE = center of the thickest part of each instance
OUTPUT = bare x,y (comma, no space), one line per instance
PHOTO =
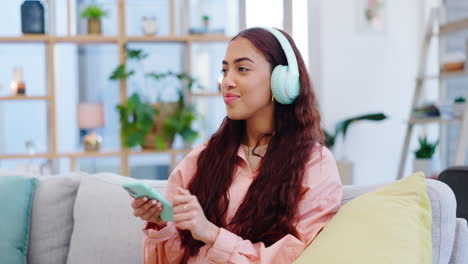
277,81
284,86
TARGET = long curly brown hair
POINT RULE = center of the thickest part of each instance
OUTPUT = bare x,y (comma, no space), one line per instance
268,211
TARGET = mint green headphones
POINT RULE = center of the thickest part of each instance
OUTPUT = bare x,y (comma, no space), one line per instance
285,84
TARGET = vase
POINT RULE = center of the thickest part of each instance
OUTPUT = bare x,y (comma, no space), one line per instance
94,26
459,109
165,110
428,166
32,17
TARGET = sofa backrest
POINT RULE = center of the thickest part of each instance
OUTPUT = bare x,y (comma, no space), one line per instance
98,225
443,206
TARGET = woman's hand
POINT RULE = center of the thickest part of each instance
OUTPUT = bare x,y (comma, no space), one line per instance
189,215
148,210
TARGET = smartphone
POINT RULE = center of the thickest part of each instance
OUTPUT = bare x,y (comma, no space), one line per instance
140,189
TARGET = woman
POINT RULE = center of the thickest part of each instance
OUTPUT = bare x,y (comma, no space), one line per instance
263,186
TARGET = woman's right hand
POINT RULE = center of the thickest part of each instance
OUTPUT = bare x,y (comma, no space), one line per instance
148,210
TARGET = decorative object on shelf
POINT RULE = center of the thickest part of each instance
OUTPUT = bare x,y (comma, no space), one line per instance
203,30
91,116
150,27
459,105
154,126
427,110
33,17
206,21
424,160
453,62
93,14
371,16
18,87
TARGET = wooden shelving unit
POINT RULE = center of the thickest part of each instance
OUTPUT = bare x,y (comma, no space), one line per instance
121,40
462,143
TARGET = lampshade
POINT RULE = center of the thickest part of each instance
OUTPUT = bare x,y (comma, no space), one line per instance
90,115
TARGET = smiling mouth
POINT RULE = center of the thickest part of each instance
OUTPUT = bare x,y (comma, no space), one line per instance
229,99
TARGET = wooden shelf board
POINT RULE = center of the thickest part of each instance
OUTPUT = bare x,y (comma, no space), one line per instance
156,39
169,151
26,156
454,26
87,39
86,154
434,120
23,98
30,38
445,75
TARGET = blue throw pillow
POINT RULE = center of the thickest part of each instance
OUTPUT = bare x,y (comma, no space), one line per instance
16,195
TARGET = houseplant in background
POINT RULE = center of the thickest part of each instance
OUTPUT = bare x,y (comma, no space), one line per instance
180,115
345,166
459,106
155,125
424,160
93,14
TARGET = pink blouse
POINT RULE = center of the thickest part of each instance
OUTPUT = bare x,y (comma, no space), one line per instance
320,203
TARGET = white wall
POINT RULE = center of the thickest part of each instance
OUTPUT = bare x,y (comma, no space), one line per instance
359,74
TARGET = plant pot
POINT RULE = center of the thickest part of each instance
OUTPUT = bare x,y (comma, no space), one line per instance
165,110
94,26
459,109
429,167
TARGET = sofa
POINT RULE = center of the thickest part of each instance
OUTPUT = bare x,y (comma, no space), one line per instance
84,218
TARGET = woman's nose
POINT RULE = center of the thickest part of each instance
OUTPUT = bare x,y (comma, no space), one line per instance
228,81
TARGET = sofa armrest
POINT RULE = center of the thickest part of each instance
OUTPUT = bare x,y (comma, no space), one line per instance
460,246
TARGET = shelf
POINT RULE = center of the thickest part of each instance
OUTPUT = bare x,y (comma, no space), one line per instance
434,120
26,156
31,38
91,39
156,39
455,26
186,38
445,75
23,98
87,39
170,151
86,154
214,94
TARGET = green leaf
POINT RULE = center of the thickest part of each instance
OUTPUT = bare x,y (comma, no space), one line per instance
342,127
120,73
93,12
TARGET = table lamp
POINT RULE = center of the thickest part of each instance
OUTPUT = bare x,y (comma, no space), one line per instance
91,116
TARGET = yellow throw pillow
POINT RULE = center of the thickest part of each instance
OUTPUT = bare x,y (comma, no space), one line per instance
389,225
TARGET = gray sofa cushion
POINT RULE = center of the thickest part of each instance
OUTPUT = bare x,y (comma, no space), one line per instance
460,246
52,219
102,208
443,206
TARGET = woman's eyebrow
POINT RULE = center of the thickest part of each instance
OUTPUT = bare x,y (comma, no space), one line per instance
239,60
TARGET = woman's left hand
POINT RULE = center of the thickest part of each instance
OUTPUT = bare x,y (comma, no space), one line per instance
189,215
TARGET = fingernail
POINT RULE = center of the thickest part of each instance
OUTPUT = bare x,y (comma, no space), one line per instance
145,199
153,202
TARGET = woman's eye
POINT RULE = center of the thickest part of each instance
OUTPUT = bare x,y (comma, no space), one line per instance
242,69
223,71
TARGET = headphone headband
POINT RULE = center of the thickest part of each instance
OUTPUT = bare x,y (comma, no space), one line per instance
288,50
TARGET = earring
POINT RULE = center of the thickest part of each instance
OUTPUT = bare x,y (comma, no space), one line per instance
272,98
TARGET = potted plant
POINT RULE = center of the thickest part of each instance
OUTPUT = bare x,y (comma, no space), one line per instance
136,121
206,21
93,14
167,118
179,116
424,157
345,166
459,106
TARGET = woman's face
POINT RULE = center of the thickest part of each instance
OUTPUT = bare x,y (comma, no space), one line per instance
246,83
